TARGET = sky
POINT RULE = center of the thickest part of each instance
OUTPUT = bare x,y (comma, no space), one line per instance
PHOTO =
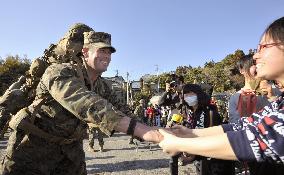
150,36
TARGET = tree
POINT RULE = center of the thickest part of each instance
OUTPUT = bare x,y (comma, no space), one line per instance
209,64
11,68
194,75
182,70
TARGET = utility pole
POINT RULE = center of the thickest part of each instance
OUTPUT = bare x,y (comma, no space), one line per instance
127,88
157,70
116,73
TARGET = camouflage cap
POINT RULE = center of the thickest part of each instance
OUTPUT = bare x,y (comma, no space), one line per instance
98,40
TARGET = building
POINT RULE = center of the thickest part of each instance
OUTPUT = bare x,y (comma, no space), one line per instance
118,84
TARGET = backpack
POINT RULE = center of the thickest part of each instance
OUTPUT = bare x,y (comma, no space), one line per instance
64,52
246,104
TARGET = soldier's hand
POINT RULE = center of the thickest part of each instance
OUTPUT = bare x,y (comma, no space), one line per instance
153,136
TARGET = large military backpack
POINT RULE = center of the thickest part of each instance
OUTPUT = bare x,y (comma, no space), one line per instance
65,51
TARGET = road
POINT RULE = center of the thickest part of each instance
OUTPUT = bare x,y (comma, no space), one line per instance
120,158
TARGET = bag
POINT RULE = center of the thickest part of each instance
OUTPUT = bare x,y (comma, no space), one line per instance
247,104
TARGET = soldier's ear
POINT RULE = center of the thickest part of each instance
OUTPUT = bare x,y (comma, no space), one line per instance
85,52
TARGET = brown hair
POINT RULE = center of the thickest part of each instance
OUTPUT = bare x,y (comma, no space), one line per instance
276,30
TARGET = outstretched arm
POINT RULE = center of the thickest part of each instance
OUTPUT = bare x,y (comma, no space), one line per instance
145,132
216,146
184,132
66,87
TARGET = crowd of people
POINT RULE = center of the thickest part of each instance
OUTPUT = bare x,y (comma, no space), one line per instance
256,138
64,94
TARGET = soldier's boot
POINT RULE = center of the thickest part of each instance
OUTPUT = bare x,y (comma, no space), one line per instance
131,140
101,148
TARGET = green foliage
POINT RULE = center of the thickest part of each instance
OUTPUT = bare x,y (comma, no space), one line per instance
194,75
209,64
182,70
11,68
141,95
223,75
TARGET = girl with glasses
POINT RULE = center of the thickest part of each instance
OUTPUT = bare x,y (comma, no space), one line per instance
259,137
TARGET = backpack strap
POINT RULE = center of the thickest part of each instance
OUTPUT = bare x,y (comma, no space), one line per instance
240,105
252,105
246,104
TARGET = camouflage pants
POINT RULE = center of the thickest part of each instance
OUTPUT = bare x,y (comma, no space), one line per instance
93,134
35,156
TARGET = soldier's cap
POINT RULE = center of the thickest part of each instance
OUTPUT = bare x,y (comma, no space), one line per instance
98,40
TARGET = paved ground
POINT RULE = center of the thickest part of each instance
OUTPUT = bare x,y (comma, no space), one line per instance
120,158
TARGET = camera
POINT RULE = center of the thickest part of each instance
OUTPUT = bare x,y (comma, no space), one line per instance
173,84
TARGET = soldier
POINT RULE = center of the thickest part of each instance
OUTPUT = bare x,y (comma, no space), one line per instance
69,96
20,94
95,132
139,113
7,102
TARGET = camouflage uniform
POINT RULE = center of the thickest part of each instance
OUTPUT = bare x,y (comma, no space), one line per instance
20,94
70,101
139,111
139,115
12,101
95,132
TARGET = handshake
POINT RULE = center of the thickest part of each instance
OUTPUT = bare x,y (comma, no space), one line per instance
168,138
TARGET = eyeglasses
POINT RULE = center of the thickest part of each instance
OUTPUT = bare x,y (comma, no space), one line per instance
261,46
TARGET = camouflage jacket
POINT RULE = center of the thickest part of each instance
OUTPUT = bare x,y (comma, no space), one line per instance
71,102
139,111
13,99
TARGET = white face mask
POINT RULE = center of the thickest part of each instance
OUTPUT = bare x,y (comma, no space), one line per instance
191,100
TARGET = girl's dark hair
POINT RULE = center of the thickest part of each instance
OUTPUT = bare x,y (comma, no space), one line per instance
202,97
245,63
276,30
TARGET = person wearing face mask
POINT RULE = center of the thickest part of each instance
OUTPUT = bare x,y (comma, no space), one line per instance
257,138
197,105
199,113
